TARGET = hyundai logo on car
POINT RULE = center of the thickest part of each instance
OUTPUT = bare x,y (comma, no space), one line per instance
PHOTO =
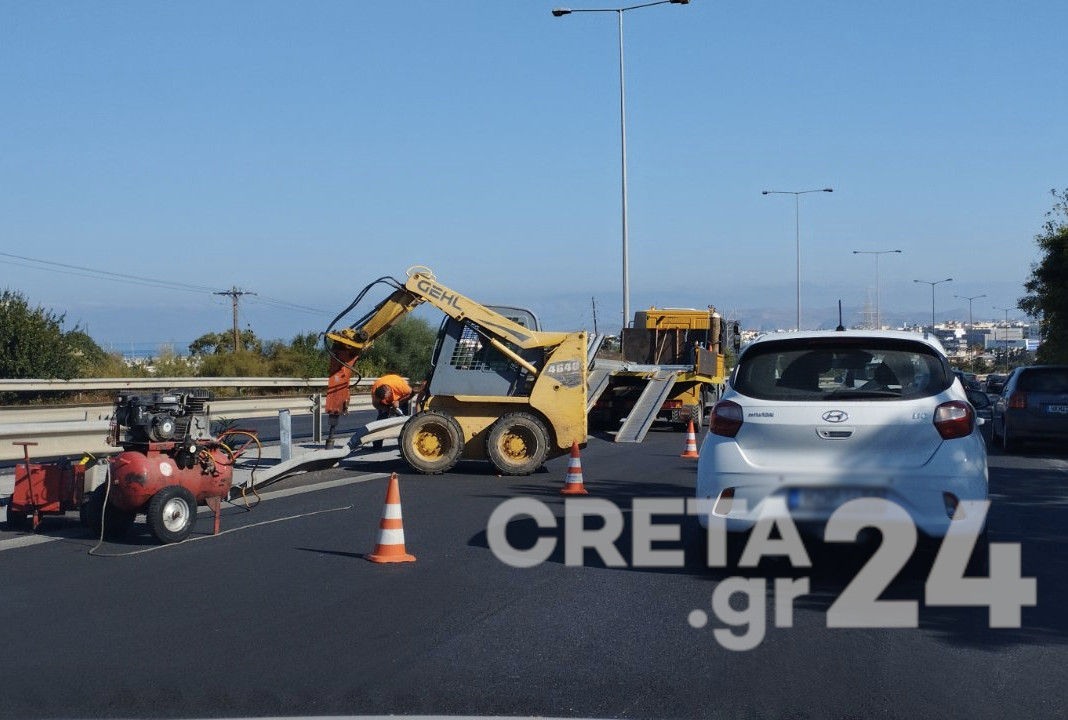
836,416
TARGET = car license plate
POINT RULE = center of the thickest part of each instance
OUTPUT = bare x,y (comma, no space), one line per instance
828,498
1057,409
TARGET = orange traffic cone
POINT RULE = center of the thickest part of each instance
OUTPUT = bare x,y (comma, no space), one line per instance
691,443
574,484
390,546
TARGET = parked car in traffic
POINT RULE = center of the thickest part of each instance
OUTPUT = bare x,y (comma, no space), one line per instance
1033,407
815,419
969,381
995,382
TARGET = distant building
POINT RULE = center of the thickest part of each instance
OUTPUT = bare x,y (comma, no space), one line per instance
997,338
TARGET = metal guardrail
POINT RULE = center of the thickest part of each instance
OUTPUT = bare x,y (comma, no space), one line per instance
87,384
75,429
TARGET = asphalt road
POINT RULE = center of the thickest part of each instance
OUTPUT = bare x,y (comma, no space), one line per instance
289,618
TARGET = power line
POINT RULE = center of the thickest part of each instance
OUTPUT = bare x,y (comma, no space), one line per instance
94,274
142,283
137,278
275,302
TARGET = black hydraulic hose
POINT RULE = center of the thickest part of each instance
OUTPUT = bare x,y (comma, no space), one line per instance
385,279
359,298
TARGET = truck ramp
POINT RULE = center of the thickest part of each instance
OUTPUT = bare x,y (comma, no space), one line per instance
642,415
598,380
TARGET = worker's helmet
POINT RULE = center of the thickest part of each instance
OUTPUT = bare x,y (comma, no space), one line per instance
384,393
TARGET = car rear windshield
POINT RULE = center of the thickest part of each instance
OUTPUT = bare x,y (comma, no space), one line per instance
841,368
1050,380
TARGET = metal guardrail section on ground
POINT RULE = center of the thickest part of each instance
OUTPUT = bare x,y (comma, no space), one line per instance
75,429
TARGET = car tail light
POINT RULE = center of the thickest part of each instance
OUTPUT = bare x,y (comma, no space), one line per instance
954,419
672,404
726,419
1018,400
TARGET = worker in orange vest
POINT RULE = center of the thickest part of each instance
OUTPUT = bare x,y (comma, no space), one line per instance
391,395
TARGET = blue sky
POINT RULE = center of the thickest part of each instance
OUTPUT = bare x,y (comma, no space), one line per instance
301,150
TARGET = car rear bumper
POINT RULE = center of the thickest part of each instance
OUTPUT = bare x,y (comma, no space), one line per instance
811,497
1023,424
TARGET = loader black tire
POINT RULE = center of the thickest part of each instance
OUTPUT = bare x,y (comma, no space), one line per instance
93,513
431,442
171,514
517,444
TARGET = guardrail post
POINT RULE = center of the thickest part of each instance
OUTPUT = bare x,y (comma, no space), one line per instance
317,417
285,434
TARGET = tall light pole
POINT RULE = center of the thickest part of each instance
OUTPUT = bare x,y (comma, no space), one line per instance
797,224
559,12
932,284
1005,339
969,299
1006,313
876,253
971,326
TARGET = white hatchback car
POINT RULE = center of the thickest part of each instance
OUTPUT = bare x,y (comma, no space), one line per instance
816,419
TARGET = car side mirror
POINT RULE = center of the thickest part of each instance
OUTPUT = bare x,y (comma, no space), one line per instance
978,399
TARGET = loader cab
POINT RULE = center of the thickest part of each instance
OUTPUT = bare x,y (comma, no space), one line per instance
465,364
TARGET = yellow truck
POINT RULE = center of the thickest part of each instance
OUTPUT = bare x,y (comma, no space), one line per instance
670,368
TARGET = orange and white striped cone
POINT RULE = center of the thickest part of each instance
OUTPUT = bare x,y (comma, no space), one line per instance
390,546
574,484
691,443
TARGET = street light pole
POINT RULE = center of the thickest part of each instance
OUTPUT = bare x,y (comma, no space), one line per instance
797,227
969,299
932,284
1006,313
560,12
878,304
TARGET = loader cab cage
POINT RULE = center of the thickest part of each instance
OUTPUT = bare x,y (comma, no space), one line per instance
465,364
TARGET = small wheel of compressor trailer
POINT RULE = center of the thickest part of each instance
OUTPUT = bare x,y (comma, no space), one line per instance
171,514
517,444
94,513
431,442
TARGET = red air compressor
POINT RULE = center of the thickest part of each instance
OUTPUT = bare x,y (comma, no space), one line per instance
170,463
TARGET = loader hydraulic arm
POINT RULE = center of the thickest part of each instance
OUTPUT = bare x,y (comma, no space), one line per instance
347,345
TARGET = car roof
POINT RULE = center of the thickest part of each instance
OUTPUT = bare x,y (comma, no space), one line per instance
926,338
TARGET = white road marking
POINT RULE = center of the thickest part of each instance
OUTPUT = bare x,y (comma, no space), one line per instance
67,534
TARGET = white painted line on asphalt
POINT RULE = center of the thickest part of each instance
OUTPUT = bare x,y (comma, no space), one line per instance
67,534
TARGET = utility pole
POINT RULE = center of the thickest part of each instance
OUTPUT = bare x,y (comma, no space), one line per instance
235,293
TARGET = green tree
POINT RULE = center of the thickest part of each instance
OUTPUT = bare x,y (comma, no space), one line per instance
171,364
223,342
304,357
404,349
242,364
32,341
1047,290
88,356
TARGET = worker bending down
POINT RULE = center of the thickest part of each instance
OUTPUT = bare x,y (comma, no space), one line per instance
391,395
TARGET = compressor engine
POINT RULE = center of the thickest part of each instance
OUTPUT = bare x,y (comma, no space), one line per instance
162,417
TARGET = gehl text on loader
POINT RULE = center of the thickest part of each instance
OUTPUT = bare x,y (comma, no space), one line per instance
499,388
